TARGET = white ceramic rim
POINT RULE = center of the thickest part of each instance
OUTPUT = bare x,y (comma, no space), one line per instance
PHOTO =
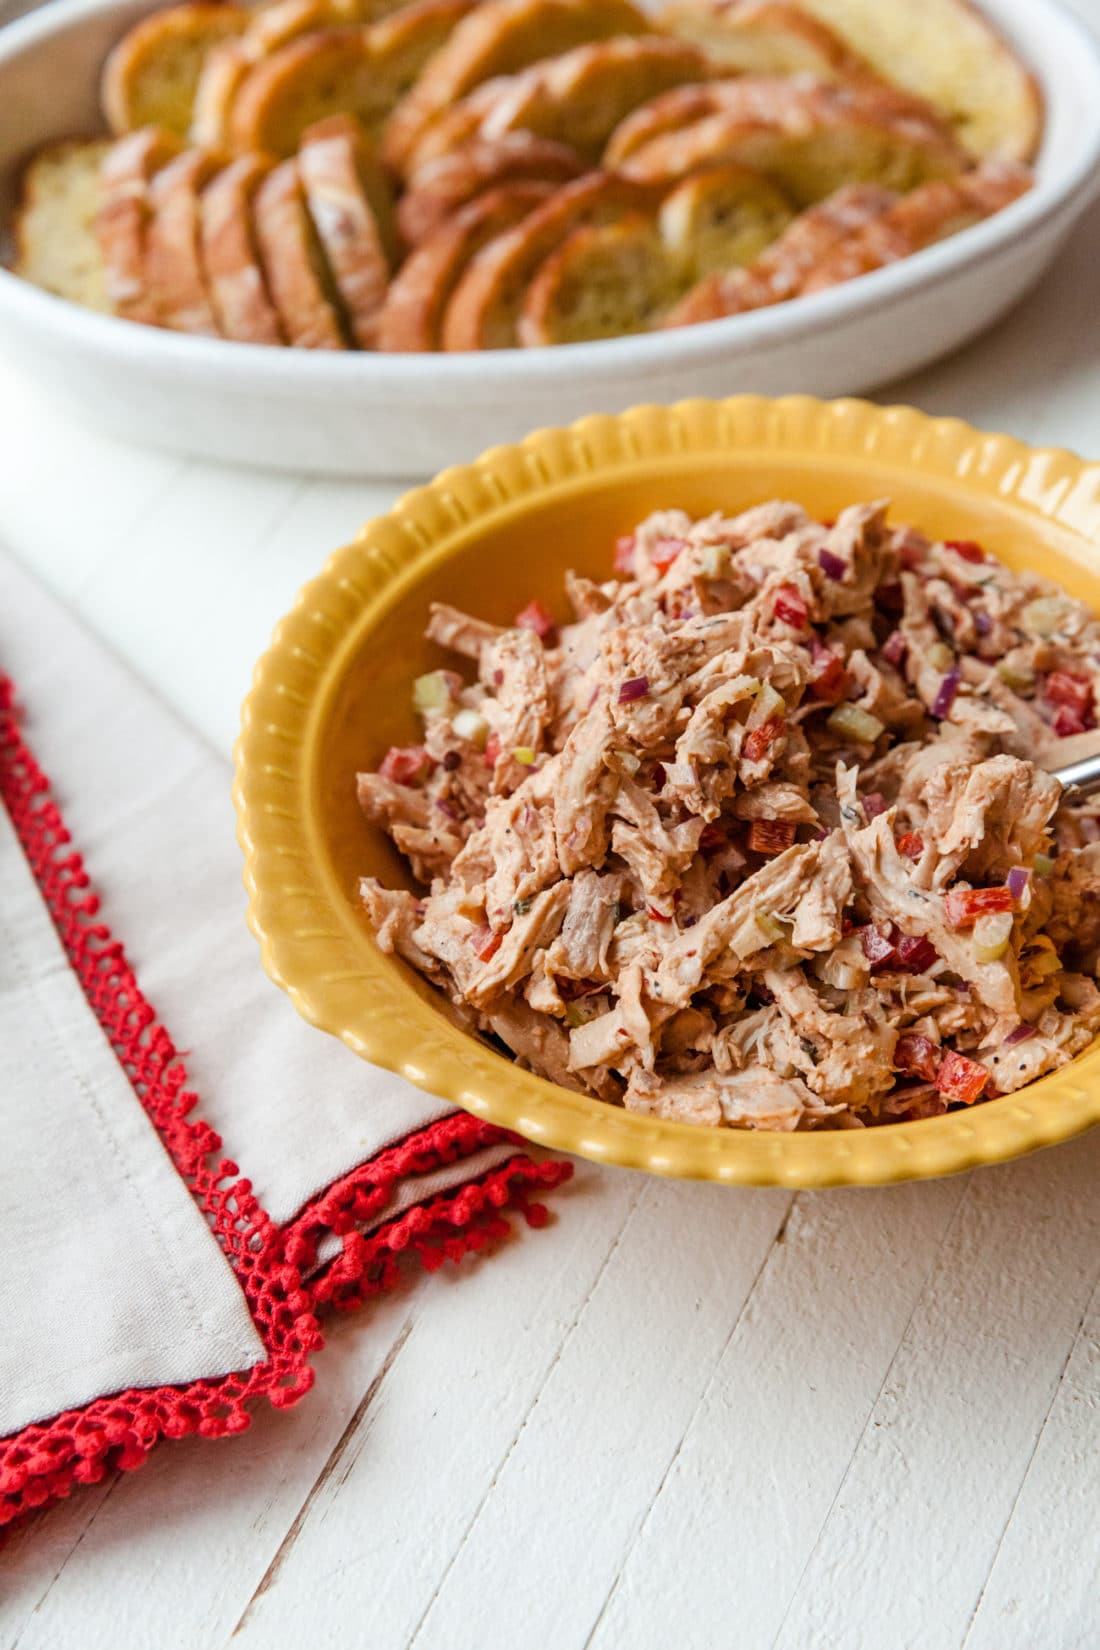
489,375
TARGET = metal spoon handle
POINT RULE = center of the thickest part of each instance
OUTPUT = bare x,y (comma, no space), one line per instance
1083,778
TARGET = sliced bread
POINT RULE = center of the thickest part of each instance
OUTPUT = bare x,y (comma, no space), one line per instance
174,275
55,238
352,210
809,139
604,281
721,218
445,184
783,269
298,278
124,215
151,76
501,37
420,292
764,37
358,71
230,258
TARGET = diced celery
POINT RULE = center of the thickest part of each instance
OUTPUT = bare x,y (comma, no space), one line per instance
715,561
1043,865
940,657
850,722
431,692
1043,616
768,703
991,935
1017,675
771,927
524,755
472,726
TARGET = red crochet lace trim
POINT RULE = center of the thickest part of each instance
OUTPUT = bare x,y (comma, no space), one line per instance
43,1463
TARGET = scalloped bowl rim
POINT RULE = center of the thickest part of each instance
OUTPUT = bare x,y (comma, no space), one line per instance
280,726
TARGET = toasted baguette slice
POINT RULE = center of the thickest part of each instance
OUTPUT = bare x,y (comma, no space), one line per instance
224,71
948,52
124,214
174,276
764,37
420,292
782,270
352,210
441,187
358,71
721,218
809,139
604,281
928,215
55,239
501,37
298,278
150,77
581,97
230,259
485,308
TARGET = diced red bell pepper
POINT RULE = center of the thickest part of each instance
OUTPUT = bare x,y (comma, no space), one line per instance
485,943
759,741
665,552
1065,687
966,548
911,844
789,606
1067,722
829,682
963,906
624,554
771,836
916,954
918,1055
657,916
492,750
406,764
961,1079
537,617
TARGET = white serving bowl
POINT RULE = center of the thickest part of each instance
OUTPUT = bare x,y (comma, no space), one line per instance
408,415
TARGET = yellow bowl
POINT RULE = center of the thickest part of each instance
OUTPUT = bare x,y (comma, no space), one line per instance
333,692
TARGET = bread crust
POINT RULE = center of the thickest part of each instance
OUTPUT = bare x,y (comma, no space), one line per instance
224,71
340,177
919,220
419,294
580,97
238,290
808,138
174,274
297,278
151,75
124,214
764,37
501,37
358,71
447,183
484,311
782,270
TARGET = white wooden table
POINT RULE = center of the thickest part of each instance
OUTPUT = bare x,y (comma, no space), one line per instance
680,1416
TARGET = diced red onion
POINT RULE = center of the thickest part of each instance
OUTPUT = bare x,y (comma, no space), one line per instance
833,566
983,624
1020,1035
874,803
1017,881
445,808
945,696
895,647
635,687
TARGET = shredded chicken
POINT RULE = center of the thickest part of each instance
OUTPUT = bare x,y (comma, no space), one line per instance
762,836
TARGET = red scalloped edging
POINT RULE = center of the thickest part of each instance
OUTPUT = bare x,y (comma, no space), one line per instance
45,1462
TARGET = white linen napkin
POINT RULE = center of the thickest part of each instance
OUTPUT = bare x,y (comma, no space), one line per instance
138,1292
